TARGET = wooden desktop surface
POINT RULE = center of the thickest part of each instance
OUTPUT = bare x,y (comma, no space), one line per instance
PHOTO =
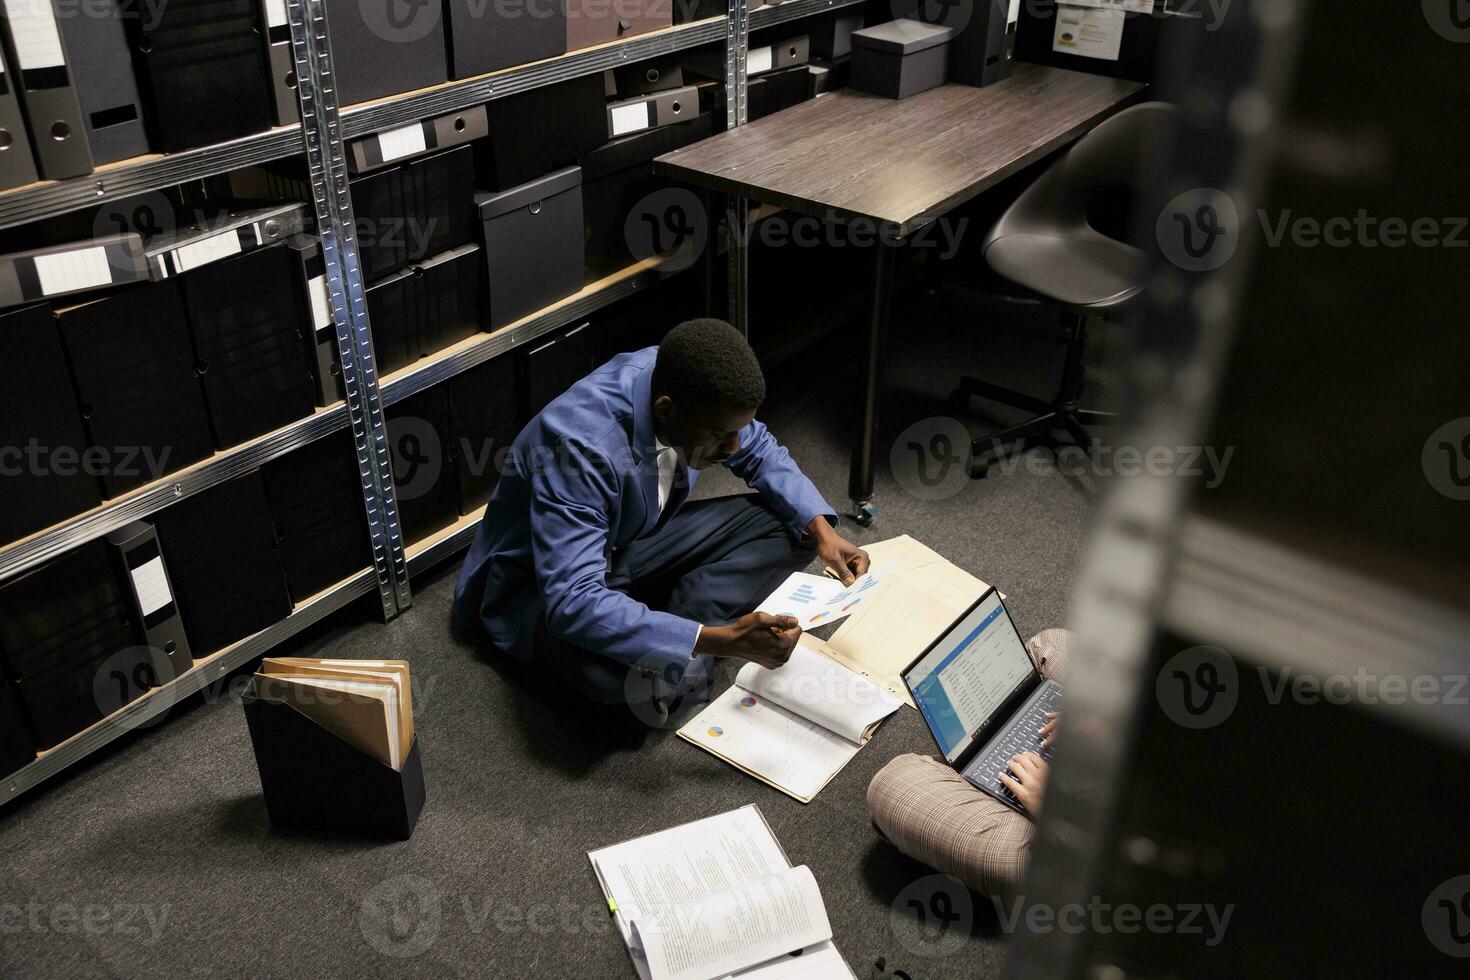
901,163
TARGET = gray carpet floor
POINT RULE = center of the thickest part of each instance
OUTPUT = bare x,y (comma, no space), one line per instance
154,858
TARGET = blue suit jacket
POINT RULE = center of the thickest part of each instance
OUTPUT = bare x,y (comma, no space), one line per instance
581,480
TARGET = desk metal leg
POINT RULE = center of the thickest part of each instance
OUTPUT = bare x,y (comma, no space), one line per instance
708,267
738,213
860,475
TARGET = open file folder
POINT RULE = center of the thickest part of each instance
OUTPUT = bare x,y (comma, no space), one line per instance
335,745
795,727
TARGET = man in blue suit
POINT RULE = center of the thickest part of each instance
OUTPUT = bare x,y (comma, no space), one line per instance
591,562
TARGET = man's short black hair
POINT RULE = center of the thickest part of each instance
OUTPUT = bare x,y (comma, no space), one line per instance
708,361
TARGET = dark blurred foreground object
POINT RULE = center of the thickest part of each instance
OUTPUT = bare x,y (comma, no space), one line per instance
1273,674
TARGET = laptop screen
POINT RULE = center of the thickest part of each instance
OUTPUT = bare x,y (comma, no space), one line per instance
968,674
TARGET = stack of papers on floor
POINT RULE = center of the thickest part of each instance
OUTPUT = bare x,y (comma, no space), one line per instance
366,703
718,898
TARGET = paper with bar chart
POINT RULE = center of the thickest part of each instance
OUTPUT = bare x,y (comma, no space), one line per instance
815,600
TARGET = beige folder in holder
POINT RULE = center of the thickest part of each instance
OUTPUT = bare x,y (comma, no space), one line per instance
335,745
76,267
717,898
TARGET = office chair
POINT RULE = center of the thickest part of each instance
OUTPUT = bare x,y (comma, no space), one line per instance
1045,244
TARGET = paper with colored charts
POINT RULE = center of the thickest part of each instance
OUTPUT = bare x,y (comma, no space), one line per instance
815,600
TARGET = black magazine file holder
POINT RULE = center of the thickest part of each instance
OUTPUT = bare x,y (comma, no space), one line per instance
313,780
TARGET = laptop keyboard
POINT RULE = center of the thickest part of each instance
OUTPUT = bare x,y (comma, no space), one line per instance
1020,737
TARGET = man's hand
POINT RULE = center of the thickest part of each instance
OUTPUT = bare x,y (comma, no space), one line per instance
758,637
1027,779
846,559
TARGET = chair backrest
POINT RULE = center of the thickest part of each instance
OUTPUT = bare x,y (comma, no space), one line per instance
1107,160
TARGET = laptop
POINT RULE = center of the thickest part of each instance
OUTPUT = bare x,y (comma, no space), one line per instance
982,697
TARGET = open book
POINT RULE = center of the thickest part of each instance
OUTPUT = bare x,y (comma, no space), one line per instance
366,703
717,898
794,727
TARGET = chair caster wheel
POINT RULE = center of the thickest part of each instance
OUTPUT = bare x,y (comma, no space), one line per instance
979,467
864,513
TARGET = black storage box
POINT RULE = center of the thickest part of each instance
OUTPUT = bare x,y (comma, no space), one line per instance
533,244
313,780
535,132
829,76
202,72
616,178
221,549
488,36
423,465
484,419
38,407
249,345
413,210
590,22
141,402
425,308
316,498
688,11
831,34
551,368
777,90
377,51
900,58
70,646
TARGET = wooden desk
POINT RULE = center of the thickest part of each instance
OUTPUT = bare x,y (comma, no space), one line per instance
898,165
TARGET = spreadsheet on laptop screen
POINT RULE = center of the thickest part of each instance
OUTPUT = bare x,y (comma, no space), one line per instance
969,674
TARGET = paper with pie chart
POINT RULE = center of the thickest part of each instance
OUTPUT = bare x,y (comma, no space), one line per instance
816,600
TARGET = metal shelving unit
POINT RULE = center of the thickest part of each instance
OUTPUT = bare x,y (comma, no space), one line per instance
208,670
223,465
320,139
373,117
148,173
780,13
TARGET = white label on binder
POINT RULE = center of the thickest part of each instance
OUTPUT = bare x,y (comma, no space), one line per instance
151,583
33,29
275,13
321,309
402,142
758,60
211,249
629,118
65,272
2,64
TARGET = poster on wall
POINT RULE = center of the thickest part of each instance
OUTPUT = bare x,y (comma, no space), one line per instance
1089,32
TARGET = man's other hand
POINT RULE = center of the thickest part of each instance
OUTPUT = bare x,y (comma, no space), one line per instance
758,637
846,560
